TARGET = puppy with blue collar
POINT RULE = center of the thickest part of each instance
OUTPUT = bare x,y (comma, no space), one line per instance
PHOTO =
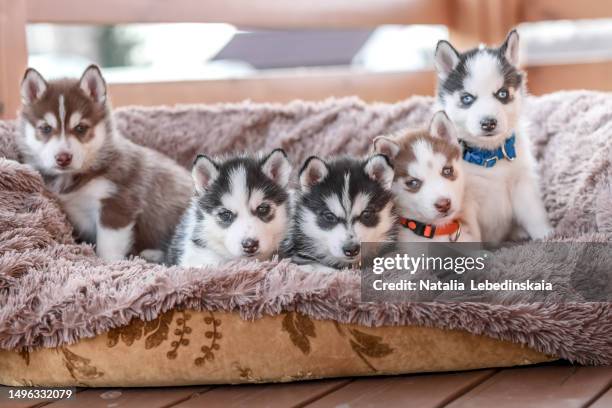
481,91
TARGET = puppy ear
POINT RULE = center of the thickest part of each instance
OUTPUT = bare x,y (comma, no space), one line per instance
446,58
204,172
33,85
510,48
442,127
312,173
276,167
379,169
93,84
385,145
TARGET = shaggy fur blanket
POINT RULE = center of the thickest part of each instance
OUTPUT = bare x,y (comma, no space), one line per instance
54,291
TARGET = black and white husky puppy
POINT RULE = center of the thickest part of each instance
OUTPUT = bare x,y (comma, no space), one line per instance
341,203
240,210
481,91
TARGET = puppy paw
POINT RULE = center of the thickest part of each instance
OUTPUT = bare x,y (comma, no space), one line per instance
519,234
152,255
541,233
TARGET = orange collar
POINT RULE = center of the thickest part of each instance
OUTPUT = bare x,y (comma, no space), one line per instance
430,230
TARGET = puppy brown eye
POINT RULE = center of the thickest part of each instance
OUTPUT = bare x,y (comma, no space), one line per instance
263,210
225,215
413,184
46,129
329,217
80,129
448,171
367,215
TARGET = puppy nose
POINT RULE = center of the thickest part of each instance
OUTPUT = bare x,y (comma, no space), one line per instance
250,246
443,205
488,124
63,159
352,249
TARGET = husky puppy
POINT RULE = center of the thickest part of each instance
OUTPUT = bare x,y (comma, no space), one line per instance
481,90
240,210
429,184
341,203
120,196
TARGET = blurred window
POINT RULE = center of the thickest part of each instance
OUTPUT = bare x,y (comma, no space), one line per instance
172,52
167,52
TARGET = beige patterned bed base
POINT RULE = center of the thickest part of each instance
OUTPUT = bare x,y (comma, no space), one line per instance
189,347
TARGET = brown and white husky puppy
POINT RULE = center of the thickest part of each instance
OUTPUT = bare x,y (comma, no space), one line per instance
429,184
118,195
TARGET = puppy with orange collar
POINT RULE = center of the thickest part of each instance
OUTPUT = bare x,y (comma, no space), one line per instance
429,184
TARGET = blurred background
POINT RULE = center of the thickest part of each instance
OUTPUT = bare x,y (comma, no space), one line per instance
188,51
174,52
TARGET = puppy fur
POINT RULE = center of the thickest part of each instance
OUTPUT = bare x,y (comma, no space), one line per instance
240,210
122,197
342,203
481,91
429,171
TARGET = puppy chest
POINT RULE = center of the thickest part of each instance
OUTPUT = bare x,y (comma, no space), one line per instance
83,206
492,191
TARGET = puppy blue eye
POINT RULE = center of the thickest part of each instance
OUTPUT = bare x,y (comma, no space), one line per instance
503,93
330,217
413,184
46,129
467,99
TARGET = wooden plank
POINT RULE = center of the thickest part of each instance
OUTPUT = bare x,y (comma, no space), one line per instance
247,13
501,17
386,87
468,26
550,78
317,84
603,401
552,386
270,395
131,397
538,10
473,22
13,55
429,390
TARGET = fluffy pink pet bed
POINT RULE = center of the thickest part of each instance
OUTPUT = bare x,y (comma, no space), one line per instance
67,318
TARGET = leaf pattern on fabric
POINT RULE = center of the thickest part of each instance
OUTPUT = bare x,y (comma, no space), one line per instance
182,331
300,328
25,354
79,367
160,328
369,344
214,335
155,331
128,334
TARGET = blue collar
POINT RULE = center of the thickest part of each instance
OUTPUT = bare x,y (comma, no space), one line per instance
489,158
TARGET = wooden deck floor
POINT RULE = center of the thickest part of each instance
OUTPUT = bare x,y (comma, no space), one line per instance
555,385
